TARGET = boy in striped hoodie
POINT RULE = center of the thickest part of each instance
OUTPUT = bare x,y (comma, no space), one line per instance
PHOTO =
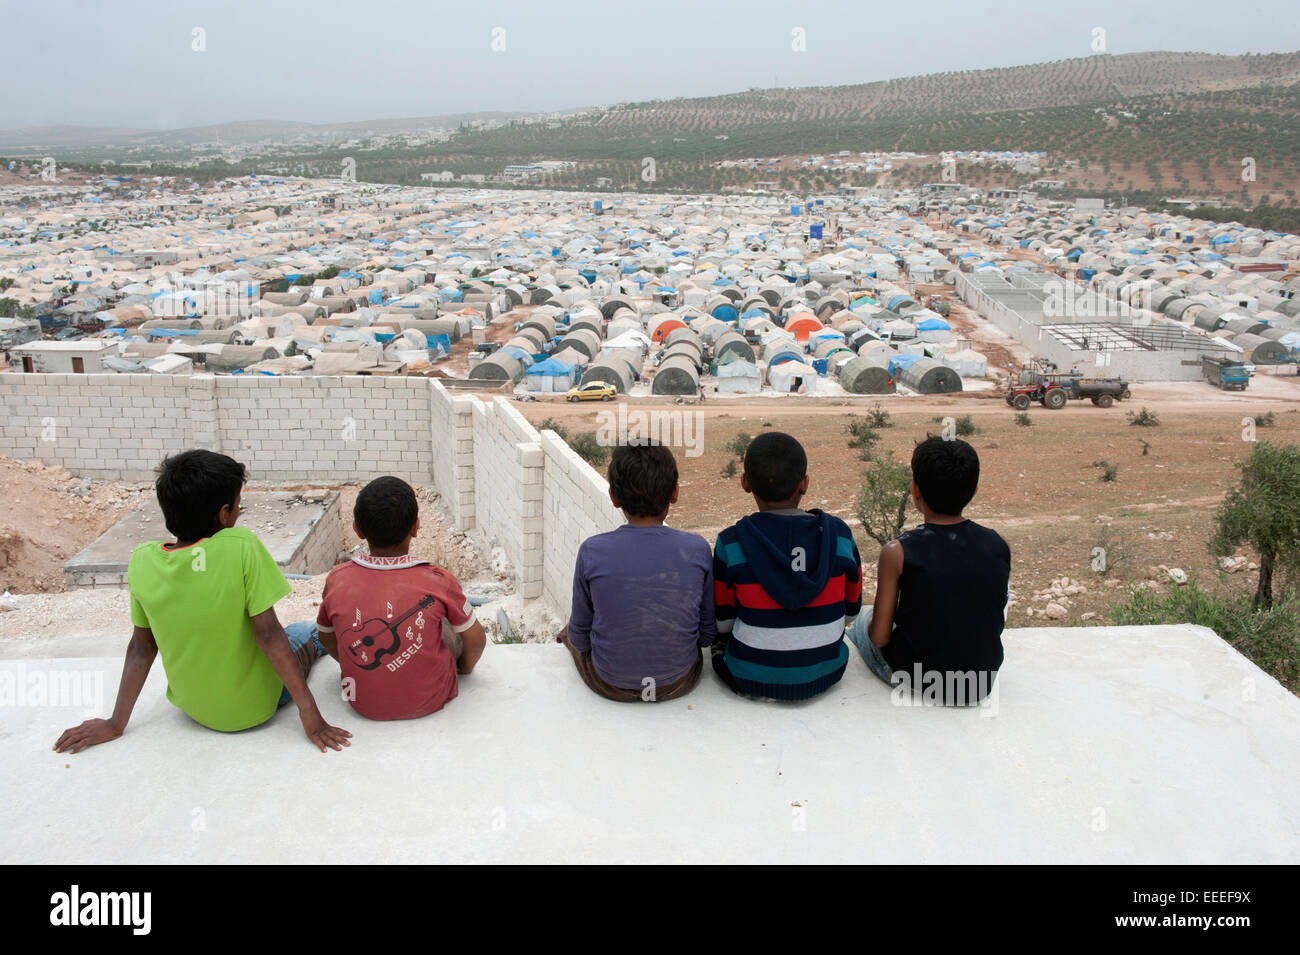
786,583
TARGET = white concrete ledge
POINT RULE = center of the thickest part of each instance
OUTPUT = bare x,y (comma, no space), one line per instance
1157,744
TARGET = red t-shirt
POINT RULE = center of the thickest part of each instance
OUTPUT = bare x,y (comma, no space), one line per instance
387,613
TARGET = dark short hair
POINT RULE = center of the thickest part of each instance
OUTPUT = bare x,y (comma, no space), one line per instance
947,472
642,477
775,463
385,511
193,487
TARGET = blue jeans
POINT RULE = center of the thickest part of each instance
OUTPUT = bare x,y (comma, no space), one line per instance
871,654
299,633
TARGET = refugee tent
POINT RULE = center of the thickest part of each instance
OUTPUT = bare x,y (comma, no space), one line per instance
731,343
968,363
792,376
501,365
619,369
661,325
803,325
926,376
738,376
551,375
865,376
676,375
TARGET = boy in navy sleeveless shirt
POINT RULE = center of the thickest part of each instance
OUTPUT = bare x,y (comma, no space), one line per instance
941,588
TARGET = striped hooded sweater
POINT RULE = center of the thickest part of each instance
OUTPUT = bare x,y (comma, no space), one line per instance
786,584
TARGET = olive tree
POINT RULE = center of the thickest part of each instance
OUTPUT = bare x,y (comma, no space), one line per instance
1263,511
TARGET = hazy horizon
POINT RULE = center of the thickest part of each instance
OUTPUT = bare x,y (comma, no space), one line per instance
134,64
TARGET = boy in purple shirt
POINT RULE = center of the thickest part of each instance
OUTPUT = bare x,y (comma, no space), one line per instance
642,594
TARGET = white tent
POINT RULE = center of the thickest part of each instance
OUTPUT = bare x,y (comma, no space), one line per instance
739,377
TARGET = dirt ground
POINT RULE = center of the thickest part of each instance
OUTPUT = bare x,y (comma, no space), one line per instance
50,515
1039,485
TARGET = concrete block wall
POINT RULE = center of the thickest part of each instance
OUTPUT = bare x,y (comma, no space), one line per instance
320,548
451,430
119,427
331,429
507,475
113,427
575,505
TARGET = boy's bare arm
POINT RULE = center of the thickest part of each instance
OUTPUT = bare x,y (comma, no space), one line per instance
274,642
888,570
140,653
472,643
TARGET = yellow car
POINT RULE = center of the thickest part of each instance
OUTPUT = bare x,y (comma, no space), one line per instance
593,391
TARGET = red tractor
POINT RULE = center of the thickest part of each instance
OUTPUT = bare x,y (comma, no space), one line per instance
1054,390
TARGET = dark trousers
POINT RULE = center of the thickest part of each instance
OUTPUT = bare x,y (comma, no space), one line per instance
661,691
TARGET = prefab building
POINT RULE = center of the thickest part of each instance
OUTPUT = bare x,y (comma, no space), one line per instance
83,357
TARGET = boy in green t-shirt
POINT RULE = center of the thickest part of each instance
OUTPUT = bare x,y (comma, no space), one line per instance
207,603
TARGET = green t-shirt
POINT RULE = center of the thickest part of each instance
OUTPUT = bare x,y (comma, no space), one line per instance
199,601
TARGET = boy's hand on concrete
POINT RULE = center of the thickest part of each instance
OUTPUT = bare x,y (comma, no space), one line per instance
323,735
89,733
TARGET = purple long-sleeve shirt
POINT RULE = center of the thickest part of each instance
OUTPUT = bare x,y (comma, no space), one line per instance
643,603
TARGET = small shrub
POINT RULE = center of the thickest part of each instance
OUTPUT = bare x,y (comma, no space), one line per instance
861,434
1108,471
730,469
966,426
550,424
589,448
879,417
1266,420
739,444
1146,447
1144,418
1023,419
1109,551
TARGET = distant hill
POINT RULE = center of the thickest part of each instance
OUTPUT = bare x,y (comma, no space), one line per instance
237,132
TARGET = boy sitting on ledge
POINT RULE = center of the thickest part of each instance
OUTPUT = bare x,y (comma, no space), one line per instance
941,588
788,581
206,602
642,594
400,627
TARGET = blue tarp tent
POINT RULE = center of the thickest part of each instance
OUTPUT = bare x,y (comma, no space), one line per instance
553,367
933,325
901,361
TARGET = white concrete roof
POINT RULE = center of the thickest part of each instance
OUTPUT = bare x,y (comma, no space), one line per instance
1139,744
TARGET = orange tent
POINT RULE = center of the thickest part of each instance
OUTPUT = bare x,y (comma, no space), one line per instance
803,324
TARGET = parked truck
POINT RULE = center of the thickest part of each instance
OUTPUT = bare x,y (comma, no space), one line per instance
1228,373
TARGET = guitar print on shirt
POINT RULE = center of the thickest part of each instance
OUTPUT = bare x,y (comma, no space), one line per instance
372,641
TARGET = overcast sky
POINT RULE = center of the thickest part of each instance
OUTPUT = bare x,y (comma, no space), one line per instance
131,63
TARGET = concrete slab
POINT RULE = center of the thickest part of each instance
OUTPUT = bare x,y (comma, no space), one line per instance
1120,744
301,529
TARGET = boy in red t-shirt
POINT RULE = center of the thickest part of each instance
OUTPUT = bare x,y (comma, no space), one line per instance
382,615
